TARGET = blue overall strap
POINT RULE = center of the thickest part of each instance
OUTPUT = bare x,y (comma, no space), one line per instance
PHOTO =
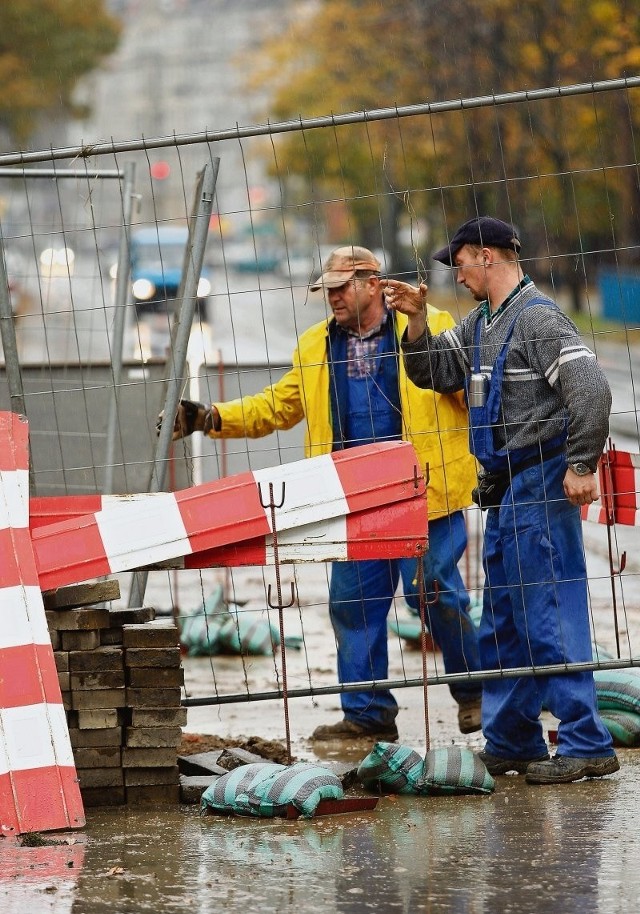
483,419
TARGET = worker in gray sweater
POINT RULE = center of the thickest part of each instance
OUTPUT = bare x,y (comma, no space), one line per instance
539,408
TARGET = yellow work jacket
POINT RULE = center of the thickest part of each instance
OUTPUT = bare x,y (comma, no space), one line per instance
436,424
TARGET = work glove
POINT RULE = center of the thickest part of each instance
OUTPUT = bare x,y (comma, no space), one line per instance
191,417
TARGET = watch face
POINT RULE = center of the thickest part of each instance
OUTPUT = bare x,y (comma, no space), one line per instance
580,468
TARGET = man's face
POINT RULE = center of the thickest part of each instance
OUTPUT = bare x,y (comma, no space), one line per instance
471,271
353,304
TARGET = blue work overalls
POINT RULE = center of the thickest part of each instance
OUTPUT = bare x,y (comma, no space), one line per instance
535,606
366,409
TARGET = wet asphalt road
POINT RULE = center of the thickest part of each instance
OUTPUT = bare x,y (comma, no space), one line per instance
524,849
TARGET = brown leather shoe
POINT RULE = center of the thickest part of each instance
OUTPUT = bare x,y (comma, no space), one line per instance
470,715
348,729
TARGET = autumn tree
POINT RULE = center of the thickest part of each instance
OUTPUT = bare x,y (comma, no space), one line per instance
45,47
561,168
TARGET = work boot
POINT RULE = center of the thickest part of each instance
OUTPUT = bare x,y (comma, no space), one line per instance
348,730
562,769
496,764
470,715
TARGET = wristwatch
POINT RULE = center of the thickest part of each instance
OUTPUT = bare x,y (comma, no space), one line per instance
580,469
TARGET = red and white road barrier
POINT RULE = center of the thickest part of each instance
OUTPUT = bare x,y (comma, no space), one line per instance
398,530
136,532
619,479
38,782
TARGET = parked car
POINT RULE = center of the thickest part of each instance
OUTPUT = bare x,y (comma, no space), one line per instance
157,257
157,260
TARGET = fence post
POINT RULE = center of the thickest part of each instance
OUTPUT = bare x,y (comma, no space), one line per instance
181,330
120,304
10,347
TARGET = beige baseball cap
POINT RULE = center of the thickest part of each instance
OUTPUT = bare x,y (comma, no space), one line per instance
342,264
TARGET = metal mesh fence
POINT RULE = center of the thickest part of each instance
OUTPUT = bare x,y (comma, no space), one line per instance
98,354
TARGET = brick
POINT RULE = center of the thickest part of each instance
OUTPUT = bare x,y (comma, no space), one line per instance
103,796
95,719
202,763
100,777
98,757
153,698
153,737
109,679
131,616
158,795
81,595
77,620
142,677
145,777
158,717
152,656
193,786
80,642
99,698
148,758
61,659
160,633
105,736
110,636
234,757
56,640
96,661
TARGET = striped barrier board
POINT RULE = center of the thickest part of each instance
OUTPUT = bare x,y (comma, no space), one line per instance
398,530
136,533
619,479
39,788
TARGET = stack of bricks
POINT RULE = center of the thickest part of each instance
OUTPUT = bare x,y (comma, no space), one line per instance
120,677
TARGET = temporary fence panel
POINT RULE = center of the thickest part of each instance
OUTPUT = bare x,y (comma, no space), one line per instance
267,240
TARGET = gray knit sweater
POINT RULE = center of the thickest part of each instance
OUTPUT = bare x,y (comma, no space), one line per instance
549,374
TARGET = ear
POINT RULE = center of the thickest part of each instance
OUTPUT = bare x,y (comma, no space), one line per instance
373,283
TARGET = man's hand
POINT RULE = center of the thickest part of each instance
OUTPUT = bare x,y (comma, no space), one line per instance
580,490
409,300
191,417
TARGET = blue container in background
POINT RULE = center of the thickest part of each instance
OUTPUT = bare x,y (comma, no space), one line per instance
620,296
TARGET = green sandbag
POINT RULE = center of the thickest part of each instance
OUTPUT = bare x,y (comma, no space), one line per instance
399,769
390,767
267,789
618,690
248,632
454,770
302,785
624,727
213,628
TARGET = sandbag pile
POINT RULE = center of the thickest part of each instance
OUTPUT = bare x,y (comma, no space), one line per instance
216,627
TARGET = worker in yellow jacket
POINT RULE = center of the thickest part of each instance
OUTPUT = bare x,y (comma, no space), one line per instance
349,385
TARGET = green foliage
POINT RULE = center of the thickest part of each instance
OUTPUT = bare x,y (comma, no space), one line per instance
539,163
45,47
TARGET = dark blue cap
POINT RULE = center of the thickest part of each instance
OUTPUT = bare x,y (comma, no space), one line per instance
484,231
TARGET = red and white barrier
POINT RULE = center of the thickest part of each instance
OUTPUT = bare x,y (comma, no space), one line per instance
619,479
131,533
398,530
38,783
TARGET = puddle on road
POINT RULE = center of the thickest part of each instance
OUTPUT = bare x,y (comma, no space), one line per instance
523,849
